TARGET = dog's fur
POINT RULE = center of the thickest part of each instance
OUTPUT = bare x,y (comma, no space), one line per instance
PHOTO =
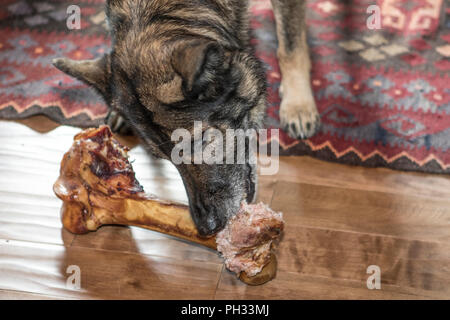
174,62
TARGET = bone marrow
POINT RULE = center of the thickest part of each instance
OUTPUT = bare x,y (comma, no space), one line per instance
246,242
98,187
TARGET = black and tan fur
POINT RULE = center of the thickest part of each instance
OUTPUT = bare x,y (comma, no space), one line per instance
174,62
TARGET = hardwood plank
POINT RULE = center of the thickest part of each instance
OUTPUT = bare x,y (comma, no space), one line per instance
405,216
143,241
266,189
294,286
30,213
327,258
346,255
39,268
313,171
17,295
39,123
324,264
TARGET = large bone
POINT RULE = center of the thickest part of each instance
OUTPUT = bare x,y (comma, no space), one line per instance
98,187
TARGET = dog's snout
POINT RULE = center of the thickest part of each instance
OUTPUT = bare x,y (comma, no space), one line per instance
216,192
209,220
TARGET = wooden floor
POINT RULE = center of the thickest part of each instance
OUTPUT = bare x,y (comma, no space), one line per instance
339,219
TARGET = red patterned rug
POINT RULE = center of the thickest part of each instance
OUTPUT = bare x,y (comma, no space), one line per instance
384,95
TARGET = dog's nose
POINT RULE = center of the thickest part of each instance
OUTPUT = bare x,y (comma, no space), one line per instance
209,220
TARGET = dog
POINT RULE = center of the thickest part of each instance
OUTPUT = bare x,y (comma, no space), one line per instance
173,62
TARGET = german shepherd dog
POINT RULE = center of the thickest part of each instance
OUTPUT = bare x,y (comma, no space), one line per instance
174,62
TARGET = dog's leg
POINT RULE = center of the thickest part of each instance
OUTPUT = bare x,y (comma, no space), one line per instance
298,111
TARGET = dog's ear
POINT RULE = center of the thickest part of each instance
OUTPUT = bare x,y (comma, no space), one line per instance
92,72
203,66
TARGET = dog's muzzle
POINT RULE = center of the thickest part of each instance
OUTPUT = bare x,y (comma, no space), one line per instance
211,208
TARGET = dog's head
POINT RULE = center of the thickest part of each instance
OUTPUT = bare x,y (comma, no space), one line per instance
173,63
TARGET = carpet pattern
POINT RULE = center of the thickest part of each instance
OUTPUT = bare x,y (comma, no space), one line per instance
384,95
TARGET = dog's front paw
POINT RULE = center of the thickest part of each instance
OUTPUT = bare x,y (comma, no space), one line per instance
300,119
117,123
